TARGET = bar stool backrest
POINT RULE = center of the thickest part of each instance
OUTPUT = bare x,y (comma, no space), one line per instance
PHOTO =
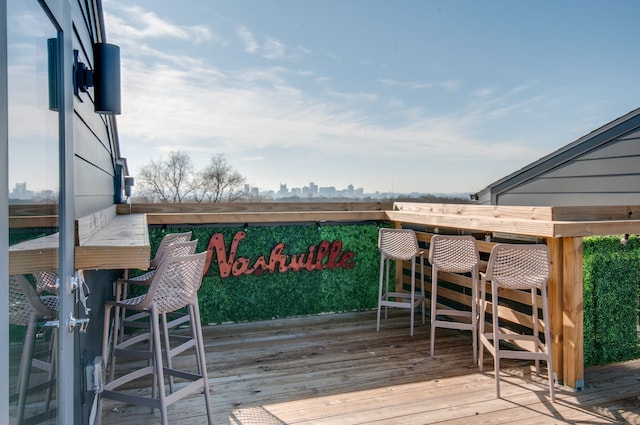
455,254
176,283
178,249
399,244
519,266
46,282
167,240
25,302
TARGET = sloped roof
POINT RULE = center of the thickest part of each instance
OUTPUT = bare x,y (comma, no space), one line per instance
593,140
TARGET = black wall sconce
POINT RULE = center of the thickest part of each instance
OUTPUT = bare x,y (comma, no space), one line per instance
128,184
52,68
105,78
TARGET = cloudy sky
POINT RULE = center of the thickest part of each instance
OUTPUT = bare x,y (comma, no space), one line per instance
388,95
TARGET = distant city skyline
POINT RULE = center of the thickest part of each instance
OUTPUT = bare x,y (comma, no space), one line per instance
315,190
21,192
312,189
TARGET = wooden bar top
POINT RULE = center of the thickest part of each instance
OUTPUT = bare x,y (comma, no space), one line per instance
122,243
104,241
34,255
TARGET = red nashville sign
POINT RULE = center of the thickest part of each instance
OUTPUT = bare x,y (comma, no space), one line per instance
326,255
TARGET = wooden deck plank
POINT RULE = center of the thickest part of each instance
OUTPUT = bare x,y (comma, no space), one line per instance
336,369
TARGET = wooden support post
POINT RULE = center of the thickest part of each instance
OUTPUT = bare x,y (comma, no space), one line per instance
555,307
573,314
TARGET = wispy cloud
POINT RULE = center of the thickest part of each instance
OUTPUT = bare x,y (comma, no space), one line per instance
247,38
410,85
135,23
493,104
450,85
273,49
416,85
354,97
265,116
484,91
260,110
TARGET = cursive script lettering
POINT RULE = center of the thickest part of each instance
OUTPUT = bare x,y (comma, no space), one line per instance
326,255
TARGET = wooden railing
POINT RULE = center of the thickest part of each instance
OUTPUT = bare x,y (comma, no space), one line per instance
561,228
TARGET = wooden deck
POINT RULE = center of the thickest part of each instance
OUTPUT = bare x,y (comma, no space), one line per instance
335,369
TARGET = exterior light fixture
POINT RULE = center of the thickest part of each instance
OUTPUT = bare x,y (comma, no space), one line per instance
128,184
105,78
53,73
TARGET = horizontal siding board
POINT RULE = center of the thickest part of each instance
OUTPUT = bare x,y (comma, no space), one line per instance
85,111
599,167
83,34
597,184
91,150
634,135
628,147
83,42
90,181
85,205
567,199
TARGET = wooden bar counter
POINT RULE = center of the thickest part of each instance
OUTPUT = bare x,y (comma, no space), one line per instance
104,241
108,240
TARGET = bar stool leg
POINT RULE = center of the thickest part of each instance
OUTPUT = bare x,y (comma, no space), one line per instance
115,339
105,348
496,341
382,270
423,305
25,368
413,294
52,366
194,310
434,306
474,312
158,363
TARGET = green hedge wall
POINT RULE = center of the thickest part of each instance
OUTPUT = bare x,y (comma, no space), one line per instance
285,294
611,282
611,299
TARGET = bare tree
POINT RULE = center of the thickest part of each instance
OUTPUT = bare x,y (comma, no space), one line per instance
170,180
174,180
180,175
220,181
